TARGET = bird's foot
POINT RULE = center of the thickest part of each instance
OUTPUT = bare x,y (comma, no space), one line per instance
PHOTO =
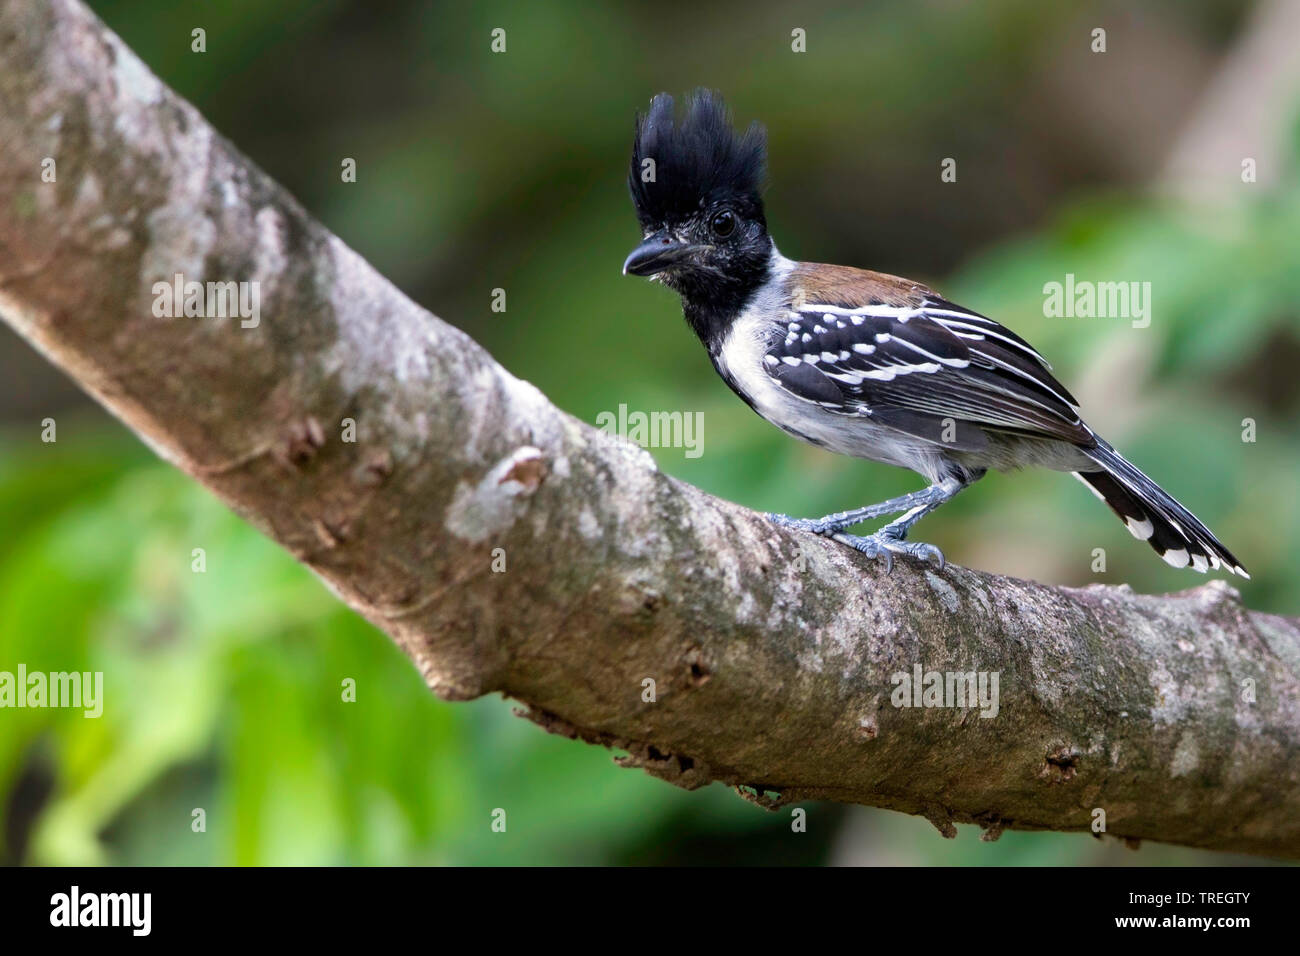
885,546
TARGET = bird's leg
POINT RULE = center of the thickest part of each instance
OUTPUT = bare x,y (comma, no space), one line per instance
890,539
833,523
899,527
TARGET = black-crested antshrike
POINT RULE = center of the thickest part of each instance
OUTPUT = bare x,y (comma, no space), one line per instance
862,363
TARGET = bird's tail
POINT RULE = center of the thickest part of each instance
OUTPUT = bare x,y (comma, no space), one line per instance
1152,514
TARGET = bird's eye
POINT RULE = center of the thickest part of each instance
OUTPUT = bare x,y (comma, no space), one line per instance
723,224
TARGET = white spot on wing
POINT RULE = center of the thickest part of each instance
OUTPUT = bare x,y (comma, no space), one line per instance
1142,530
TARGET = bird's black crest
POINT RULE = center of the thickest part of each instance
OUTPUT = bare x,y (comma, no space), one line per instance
698,162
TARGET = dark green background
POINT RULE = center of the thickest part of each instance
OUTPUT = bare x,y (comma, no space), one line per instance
478,171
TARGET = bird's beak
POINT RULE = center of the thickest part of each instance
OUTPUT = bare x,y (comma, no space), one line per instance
661,251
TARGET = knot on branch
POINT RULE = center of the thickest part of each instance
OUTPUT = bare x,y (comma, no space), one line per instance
489,507
1061,764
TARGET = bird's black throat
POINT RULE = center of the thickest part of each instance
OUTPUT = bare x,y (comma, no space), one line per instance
712,299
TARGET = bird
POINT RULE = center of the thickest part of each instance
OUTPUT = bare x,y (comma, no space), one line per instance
863,363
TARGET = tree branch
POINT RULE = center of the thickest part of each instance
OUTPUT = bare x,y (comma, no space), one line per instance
772,653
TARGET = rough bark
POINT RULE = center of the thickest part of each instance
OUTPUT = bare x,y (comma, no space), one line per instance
772,652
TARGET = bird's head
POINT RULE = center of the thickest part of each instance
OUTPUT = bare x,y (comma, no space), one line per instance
696,182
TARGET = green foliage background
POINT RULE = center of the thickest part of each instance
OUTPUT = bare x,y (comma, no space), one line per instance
475,171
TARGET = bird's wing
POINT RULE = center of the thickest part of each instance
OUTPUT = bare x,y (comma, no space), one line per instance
914,361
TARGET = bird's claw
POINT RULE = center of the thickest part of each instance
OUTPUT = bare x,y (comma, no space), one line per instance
881,545
885,546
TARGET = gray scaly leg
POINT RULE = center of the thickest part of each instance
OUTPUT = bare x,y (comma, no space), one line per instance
891,539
